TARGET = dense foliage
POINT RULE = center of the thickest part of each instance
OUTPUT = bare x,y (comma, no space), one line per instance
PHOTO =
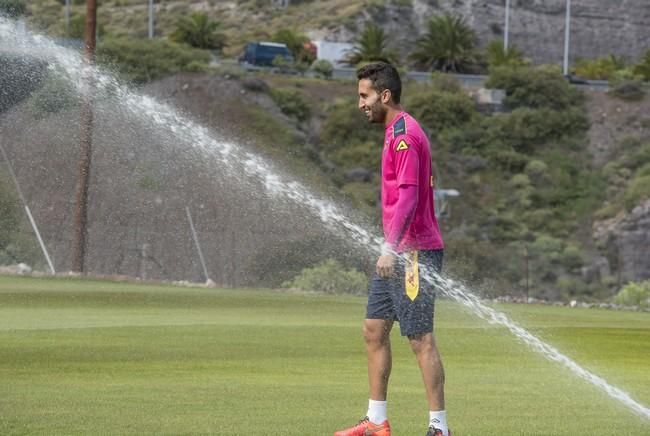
56,94
330,277
291,103
9,212
19,77
143,60
634,294
295,42
498,56
12,8
199,31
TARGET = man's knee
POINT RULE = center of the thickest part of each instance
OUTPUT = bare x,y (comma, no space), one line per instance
423,344
376,332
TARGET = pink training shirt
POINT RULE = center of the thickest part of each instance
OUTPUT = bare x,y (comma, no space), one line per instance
406,160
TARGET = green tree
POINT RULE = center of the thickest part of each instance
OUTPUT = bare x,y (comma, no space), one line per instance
295,42
371,46
199,31
12,8
497,56
447,45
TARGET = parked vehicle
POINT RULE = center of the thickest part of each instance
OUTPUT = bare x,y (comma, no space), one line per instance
334,52
262,54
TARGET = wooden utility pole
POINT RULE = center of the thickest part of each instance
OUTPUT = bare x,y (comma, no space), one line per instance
526,259
81,212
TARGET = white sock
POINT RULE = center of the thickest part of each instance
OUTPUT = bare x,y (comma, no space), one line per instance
376,411
439,420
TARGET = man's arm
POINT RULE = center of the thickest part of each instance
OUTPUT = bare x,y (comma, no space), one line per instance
404,211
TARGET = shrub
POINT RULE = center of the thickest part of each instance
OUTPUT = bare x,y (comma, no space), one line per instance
291,103
20,76
445,82
534,88
323,68
295,42
437,110
548,246
9,213
599,69
637,191
634,294
329,277
56,94
77,27
283,64
506,227
345,125
571,287
361,154
497,56
643,67
537,171
12,8
571,257
631,90
144,60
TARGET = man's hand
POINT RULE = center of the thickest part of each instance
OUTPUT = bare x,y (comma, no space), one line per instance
386,265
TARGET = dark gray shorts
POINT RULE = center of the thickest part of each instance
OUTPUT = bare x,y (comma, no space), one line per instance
404,297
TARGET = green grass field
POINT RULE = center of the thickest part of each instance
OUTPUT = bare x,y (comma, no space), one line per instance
93,357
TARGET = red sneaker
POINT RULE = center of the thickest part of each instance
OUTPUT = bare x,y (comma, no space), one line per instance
366,428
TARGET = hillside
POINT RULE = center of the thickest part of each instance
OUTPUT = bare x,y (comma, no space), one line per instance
534,201
554,184
537,26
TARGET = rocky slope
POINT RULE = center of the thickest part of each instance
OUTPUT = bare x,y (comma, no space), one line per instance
598,28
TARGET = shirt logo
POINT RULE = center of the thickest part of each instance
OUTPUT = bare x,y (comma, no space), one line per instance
402,146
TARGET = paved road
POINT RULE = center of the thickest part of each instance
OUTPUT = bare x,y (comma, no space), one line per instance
469,80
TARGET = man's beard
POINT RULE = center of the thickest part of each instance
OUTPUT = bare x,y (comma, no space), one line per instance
377,113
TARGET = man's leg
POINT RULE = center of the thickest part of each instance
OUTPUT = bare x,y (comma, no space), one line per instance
433,375
376,333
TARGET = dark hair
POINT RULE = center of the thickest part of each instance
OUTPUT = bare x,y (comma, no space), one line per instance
383,76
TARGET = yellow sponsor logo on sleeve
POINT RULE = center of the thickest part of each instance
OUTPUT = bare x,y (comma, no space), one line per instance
402,146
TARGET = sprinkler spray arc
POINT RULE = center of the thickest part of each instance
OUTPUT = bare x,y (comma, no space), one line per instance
333,217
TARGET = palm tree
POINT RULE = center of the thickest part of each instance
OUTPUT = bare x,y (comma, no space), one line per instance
371,46
448,44
497,56
199,31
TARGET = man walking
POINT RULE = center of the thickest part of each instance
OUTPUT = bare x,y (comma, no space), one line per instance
413,246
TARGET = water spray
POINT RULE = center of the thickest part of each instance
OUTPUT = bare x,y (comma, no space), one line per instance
237,160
